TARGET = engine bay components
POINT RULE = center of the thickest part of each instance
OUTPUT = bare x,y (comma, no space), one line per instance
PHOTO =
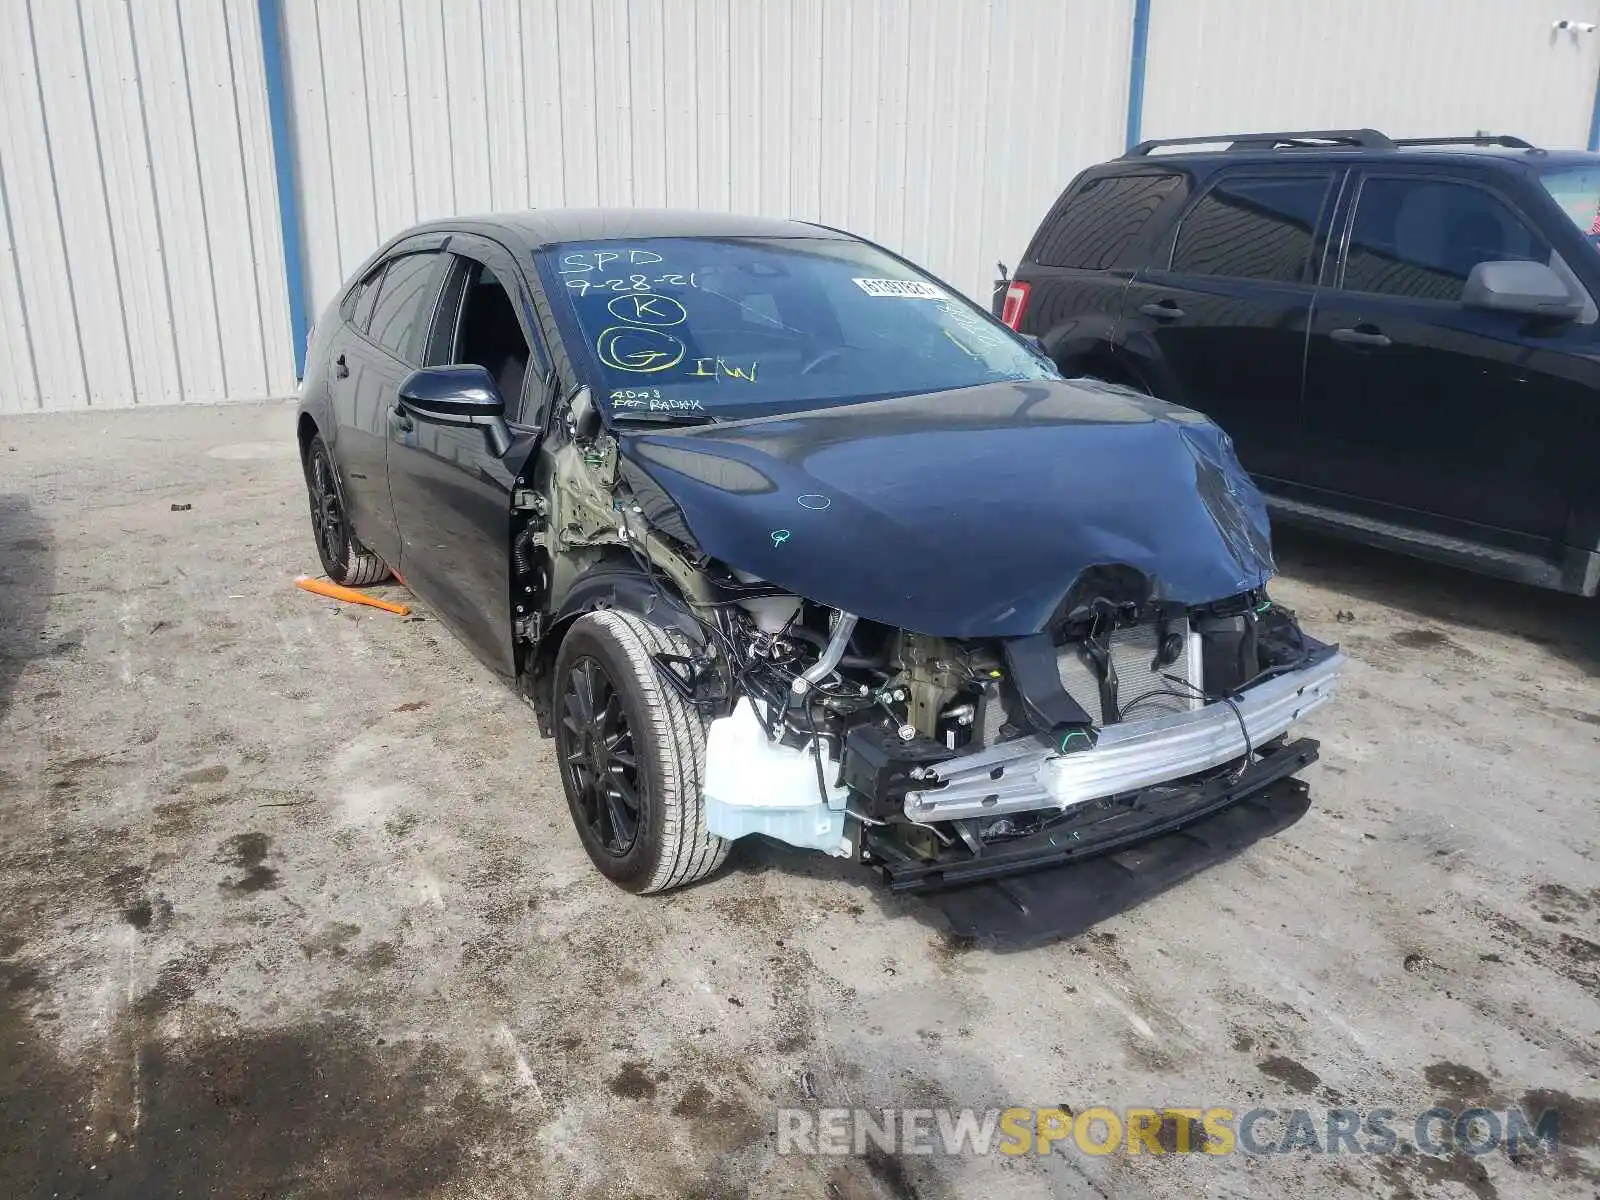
948,748
881,766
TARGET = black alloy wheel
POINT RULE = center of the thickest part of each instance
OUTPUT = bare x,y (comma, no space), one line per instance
632,754
343,556
327,513
597,752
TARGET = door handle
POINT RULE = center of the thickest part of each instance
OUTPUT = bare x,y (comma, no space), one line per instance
340,368
1361,335
1162,310
401,419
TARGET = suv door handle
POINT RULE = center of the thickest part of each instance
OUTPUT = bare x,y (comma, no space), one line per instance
340,368
1361,335
1162,310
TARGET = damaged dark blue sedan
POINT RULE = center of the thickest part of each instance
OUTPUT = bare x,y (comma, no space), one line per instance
782,536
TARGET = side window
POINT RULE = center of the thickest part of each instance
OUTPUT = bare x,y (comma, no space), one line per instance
478,324
358,304
1253,228
1090,227
402,300
1422,237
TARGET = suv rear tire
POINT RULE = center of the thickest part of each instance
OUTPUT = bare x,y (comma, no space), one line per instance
632,755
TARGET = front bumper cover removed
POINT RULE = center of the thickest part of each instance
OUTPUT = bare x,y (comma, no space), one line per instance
1097,829
1028,774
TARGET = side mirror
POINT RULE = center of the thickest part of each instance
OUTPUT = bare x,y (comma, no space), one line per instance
1530,289
583,418
458,395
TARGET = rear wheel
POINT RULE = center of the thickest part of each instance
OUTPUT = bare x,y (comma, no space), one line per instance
632,754
343,556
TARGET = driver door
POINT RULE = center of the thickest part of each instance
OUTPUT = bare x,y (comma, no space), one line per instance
451,492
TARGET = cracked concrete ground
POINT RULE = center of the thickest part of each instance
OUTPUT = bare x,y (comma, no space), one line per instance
290,904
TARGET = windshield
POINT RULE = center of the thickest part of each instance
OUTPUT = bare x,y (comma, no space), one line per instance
1577,191
745,326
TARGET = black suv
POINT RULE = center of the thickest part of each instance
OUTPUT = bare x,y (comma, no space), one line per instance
1399,334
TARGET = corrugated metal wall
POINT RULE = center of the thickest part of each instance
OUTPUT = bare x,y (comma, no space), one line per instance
941,128
141,255
1408,67
141,259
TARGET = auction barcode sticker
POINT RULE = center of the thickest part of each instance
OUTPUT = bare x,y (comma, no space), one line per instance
912,289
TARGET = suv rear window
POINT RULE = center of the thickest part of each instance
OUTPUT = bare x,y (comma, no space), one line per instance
1091,226
1253,228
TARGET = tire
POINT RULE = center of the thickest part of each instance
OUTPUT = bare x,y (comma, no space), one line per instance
343,556
657,753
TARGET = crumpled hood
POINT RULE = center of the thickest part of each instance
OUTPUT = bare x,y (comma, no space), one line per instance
982,512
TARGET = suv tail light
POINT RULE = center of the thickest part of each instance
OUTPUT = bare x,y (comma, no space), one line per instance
1016,303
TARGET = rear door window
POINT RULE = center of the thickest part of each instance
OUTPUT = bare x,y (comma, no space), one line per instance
358,304
1091,227
1254,227
403,301
1420,237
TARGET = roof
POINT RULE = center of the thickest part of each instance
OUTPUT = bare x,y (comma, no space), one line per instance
1340,146
547,226
1534,160
1537,159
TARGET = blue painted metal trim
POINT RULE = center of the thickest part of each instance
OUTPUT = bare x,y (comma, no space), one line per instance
276,73
1141,40
1594,117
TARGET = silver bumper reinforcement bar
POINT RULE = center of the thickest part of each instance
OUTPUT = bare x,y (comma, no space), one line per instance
1028,774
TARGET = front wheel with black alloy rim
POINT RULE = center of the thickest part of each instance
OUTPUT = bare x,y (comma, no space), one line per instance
343,556
632,753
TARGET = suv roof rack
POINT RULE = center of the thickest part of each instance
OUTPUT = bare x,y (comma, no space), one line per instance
1366,139
1481,139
